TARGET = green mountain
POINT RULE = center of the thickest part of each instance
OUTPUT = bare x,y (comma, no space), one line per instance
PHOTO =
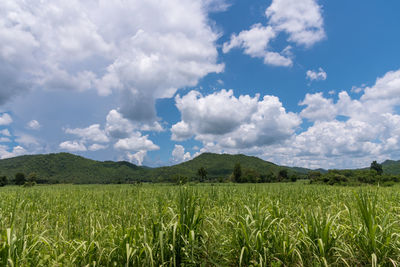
391,167
220,165
69,168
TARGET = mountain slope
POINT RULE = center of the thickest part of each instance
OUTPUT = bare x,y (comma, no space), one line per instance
69,168
391,166
220,165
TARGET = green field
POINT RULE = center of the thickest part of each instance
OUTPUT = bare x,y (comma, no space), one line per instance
199,225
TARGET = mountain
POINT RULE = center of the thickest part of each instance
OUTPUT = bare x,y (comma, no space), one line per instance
69,168
391,166
220,165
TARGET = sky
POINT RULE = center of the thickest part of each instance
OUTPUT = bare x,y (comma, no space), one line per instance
309,83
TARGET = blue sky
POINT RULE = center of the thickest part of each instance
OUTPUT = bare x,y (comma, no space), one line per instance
297,82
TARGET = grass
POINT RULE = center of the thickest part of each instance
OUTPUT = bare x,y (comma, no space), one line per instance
202,225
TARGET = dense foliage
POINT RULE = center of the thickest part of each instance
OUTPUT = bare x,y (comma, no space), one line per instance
68,168
353,177
204,225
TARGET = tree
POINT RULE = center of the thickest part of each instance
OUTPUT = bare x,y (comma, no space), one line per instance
3,180
20,178
32,177
377,167
237,173
283,175
180,179
202,173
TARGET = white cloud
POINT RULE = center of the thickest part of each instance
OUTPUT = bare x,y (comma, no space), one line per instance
117,126
222,120
5,132
300,19
34,125
276,59
108,46
16,151
5,140
181,131
5,119
318,108
136,142
179,155
91,133
345,133
72,146
137,157
255,44
27,140
217,113
385,88
319,75
254,41
95,147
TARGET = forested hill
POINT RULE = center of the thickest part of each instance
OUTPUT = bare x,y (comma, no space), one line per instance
221,166
69,168
391,166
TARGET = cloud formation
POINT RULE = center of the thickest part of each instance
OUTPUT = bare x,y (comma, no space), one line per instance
345,132
301,20
319,75
226,121
179,155
72,146
110,46
34,125
5,119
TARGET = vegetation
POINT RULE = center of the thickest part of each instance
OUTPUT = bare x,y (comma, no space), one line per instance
68,168
202,173
292,224
353,177
3,181
376,167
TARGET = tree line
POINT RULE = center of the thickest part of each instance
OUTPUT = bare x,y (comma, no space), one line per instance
21,179
373,175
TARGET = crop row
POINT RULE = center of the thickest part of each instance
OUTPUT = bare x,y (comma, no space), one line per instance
208,225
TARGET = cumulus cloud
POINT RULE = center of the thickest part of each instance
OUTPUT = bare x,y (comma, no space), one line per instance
72,146
108,46
301,20
318,108
227,121
5,132
319,75
91,133
137,157
136,142
254,41
5,140
117,126
344,132
5,119
95,147
15,151
370,129
33,124
27,140
386,88
179,155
